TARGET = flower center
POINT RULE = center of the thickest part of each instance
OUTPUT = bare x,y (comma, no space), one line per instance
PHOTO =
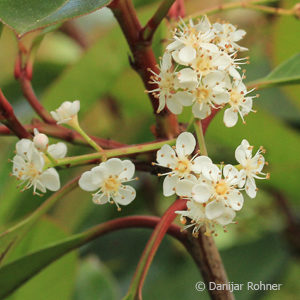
236,98
203,64
201,94
221,187
167,82
111,184
183,166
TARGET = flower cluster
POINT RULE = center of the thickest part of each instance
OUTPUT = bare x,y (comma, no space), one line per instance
200,68
214,192
29,163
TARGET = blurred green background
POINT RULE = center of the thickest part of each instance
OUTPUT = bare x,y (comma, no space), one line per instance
261,247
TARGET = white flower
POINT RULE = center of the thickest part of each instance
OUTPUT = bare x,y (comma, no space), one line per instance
196,213
66,112
239,103
167,82
40,140
251,166
179,161
226,36
219,189
210,92
28,167
189,38
107,179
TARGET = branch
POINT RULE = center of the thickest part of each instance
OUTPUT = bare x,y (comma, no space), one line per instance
64,133
143,60
29,94
8,118
152,25
70,29
135,290
206,255
226,6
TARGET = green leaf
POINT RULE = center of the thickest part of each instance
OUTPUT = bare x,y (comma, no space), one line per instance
95,281
60,274
27,15
286,73
12,236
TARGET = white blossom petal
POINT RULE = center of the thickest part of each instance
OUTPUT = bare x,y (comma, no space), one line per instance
50,179
126,195
214,209
201,193
169,185
185,144
230,117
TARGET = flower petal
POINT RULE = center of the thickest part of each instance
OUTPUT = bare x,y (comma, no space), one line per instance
169,185
201,193
185,144
199,163
227,216
174,105
58,150
214,209
166,156
128,170
250,188
184,188
230,117
187,54
86,182
50,179
114,166
185,98
126,195
100,198
235,200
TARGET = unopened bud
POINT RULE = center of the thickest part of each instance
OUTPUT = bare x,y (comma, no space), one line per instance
40,140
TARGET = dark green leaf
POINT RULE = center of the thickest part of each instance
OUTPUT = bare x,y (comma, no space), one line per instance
286,73
26,15
60,274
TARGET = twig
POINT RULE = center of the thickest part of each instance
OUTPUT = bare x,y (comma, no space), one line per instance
143,60
64,133
152,25
226,6
206,255
29,94
8,118
135,290
73,31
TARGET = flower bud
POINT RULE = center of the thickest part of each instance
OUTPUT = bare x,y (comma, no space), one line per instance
40,140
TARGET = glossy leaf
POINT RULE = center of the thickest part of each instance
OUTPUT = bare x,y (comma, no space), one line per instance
13,235
95,281
61,273
25,16
286,73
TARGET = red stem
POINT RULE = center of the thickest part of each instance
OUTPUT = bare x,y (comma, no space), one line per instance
8,118
29,94
206,121
64,134
144,59
153,244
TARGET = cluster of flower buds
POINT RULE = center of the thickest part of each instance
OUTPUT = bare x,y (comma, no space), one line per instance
200,68
214,192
